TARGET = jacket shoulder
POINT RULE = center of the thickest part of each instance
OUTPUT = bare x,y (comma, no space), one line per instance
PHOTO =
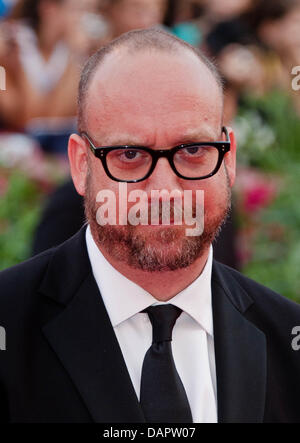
55,269
263,297
16,281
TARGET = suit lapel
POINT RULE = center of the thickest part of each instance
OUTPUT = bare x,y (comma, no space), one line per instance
240,350
84,340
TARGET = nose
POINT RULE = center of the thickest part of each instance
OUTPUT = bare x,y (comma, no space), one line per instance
163,177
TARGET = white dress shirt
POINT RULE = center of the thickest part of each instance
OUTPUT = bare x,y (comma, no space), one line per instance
192,344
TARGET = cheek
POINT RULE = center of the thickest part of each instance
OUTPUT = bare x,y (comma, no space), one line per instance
212,200
215,194
98,177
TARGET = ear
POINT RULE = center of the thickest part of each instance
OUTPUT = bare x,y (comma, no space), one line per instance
78,158
230,158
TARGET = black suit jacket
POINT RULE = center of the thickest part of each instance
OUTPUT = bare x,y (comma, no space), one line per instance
63,362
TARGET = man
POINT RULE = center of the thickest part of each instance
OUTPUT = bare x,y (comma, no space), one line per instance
135,322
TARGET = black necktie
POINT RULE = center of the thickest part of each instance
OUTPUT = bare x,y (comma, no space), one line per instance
163,398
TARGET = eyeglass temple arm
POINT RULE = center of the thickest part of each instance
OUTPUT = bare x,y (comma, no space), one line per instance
225,130
91,144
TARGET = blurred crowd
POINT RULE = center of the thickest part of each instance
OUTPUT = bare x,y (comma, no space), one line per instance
44,44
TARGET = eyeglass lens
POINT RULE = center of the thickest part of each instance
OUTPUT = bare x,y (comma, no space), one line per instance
134,164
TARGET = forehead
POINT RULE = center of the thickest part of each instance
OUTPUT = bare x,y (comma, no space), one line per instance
152,91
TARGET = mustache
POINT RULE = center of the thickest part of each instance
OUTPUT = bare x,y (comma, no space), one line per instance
164,212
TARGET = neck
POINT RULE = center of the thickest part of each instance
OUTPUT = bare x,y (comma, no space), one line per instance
47,40
162,285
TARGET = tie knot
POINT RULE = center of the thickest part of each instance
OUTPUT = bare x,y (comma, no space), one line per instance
163,318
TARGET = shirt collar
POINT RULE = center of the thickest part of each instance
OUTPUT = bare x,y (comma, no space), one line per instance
124,298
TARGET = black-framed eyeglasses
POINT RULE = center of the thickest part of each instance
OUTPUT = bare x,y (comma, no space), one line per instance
132,164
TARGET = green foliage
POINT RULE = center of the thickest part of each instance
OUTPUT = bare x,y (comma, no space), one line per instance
270,132
19,212
275,259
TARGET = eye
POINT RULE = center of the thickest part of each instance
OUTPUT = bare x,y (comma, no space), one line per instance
130,155
196,154
192,150
128,158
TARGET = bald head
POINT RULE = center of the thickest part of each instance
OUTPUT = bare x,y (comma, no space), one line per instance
131,43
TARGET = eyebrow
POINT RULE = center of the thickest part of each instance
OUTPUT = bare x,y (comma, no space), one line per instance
196,136
122,140
188,137
204,133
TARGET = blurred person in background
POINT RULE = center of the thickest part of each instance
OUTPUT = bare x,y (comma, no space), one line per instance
184,20
253,44
126,15
281,36
5,6
217,11
193,20
44,43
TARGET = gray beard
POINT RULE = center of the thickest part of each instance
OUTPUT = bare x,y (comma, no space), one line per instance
152,252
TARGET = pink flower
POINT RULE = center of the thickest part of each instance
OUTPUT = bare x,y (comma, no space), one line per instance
258,197
255,189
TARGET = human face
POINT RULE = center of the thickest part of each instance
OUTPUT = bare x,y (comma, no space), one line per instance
226,9
155,100
126,15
